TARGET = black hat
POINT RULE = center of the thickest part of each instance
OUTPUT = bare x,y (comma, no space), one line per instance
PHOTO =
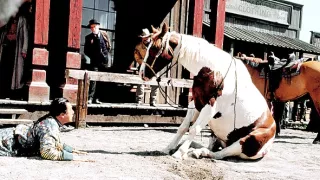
93,21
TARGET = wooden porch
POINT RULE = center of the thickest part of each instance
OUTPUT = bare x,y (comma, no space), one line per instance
98,113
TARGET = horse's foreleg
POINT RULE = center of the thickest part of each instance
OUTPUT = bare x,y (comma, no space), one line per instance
232,150
253,146
192,115
205,115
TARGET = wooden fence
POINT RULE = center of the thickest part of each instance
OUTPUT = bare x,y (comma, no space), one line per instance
84,77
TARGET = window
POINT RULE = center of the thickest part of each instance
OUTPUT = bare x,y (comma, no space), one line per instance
103,11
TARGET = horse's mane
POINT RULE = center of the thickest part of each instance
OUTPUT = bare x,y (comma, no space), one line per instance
195,53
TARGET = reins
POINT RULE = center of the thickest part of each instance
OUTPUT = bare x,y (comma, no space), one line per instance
165,43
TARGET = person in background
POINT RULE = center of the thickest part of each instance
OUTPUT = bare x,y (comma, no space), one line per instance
43,137
14,38
97,47
139,54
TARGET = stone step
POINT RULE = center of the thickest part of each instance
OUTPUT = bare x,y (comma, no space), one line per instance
16,121
13,112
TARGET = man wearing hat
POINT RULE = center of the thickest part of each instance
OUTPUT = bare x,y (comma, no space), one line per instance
97,46
139,54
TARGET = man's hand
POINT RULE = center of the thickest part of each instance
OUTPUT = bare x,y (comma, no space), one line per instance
24,55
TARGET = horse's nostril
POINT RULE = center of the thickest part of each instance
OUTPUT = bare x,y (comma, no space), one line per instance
146,79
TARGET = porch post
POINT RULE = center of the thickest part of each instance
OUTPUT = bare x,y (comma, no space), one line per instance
38,88
221,16
217,20
197,28
265,54
73,59
197,18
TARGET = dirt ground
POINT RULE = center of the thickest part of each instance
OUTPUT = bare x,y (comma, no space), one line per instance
135,153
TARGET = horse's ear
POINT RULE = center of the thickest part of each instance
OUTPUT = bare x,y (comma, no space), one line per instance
164,30
154,30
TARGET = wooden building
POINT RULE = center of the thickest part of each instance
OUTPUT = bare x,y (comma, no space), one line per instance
59,28
315,38
261,26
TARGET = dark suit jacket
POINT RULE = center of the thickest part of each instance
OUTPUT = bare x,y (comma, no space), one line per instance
98,55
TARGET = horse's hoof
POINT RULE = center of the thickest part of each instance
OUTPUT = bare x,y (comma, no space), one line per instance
316,141
177,155
197,153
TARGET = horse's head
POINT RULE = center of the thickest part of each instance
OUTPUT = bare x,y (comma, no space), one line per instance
207,86
160,52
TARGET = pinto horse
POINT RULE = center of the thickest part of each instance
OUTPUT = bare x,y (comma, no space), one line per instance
227,100
306,82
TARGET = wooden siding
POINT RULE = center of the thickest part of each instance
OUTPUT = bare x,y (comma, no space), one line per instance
296,18
292,30
315,38
177,21
260,27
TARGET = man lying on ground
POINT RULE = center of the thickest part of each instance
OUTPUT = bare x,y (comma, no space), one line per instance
43,137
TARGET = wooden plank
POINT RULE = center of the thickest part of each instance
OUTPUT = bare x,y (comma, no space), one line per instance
13,111
135,119
164,107
16,121
127,78
82,102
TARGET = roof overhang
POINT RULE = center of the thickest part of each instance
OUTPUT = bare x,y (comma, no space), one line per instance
270,40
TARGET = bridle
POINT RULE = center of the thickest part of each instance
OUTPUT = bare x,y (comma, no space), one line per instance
175,54
164,44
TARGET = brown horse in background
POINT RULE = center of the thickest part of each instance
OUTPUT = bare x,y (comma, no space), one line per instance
306,82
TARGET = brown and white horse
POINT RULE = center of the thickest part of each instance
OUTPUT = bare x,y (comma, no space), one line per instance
230,103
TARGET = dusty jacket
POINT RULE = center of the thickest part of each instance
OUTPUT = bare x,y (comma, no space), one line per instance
140,52
43,138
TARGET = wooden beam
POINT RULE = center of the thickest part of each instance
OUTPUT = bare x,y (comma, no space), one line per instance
135,119
12,111
16,121
232,48
221,16
75,18
198,18
127,78
41,30
82,102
